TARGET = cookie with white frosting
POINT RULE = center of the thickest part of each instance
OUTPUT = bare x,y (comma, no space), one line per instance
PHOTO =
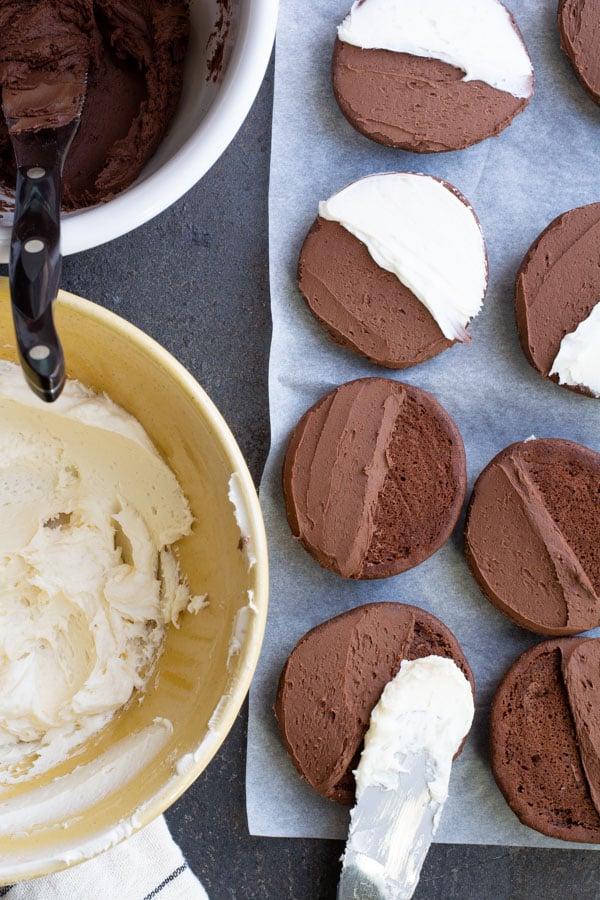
374,478
395,267
578,23
431,75
557,301
333,678
531,535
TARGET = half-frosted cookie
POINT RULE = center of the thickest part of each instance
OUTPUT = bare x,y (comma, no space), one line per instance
333,678
557,301
578,23
374,478
431,75
531,537
395,267
545,738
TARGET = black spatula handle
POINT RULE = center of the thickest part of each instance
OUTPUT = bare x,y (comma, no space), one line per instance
34,269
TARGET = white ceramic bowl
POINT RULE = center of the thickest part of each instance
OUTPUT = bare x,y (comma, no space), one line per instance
209,115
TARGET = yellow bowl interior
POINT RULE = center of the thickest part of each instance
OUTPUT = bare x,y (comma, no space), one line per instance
199,683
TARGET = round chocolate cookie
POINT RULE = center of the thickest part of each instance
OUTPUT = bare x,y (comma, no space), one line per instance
531,536
369,268
333,678
578,23
556,301
545,738
374,478
446,97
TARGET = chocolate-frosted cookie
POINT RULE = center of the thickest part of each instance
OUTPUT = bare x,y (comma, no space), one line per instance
578,23
545,738
531,537
430,76
557,301
333,678
374,478
395,267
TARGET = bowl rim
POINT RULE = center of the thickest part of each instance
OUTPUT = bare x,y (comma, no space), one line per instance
141,202
231,701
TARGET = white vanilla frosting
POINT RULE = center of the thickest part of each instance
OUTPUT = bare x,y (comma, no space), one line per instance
72,794
402,777
578,359
242,517
418,229
87,579
477,36
426,709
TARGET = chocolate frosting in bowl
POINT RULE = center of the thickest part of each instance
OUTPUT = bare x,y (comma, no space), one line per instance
44,53
133,53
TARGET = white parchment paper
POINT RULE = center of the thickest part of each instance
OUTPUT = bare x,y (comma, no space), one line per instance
548,161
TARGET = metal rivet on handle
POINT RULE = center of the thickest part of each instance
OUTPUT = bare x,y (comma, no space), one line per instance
40,351
34,246
36,172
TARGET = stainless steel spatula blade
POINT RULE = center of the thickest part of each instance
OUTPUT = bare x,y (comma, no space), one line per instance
391,829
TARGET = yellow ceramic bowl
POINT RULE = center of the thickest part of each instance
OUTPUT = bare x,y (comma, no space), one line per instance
136,767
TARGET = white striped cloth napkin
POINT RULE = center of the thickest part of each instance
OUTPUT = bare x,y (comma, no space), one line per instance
146,866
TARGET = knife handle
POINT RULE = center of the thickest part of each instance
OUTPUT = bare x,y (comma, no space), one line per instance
34,270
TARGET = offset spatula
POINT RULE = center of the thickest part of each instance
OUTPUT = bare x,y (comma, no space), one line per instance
42,121
415,730
391,832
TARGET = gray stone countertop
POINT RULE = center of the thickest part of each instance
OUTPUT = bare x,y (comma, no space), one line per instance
196,279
